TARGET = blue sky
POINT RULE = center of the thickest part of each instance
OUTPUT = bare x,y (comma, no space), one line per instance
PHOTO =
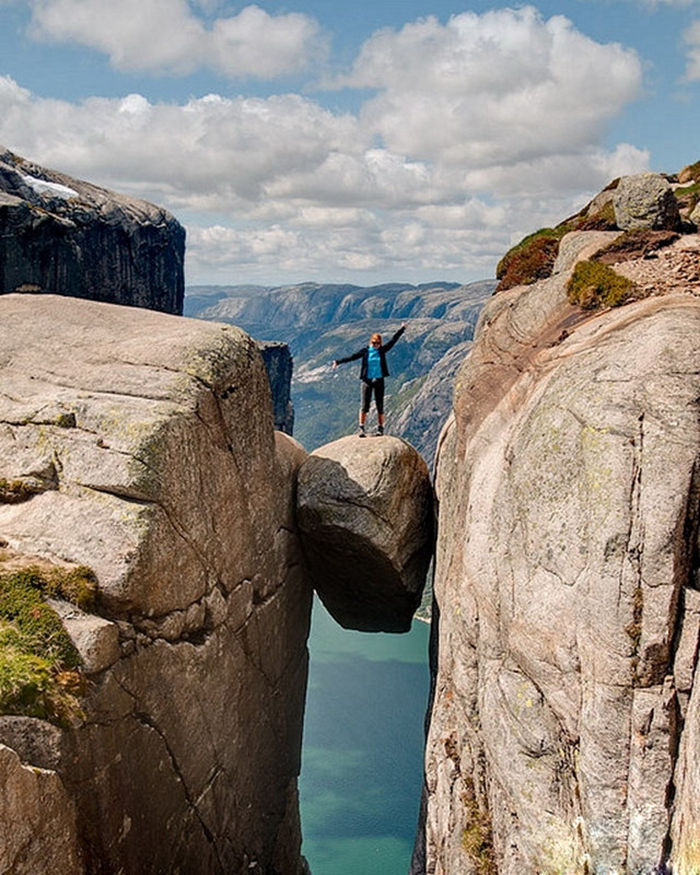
352,142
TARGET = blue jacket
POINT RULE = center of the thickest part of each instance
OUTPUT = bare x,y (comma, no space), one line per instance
364,355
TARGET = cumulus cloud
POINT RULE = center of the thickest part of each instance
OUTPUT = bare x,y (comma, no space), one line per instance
476,131
692,39
167,36
506,86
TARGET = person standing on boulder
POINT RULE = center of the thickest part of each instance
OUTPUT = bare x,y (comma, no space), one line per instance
373,370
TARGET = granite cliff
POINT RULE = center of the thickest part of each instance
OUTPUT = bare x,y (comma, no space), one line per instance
68,237
143,450
565,725
155,595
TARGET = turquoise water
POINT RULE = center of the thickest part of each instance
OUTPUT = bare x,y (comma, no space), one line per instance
362,768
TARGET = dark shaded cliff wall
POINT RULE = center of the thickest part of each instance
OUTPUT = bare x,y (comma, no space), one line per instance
68,237
279,365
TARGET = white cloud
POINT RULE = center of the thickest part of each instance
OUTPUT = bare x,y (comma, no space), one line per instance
482,90
479,130
692,38
166,36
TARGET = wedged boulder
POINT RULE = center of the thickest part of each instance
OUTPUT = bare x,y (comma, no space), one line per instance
64,236
365,513
141,445
645,200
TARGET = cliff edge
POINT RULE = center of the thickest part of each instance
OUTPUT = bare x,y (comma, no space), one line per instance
146,509
566,718
64,236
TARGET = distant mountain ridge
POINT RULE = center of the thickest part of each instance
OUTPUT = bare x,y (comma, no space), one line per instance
321,322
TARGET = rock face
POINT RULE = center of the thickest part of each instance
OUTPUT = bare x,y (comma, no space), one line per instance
565,729
279,365
39,831
146,447
65,236
645,201
365,513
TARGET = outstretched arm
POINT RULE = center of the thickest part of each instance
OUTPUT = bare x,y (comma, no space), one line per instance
349,358
387,346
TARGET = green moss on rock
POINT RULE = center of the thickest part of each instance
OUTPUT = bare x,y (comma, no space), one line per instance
602,220
593,286
39,665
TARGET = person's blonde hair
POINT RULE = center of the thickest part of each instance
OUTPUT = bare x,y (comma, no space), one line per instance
377,337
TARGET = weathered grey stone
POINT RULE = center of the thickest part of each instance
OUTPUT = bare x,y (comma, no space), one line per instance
150,441
40,742
65,236
365,513
39,834
95,639
685,830
645,200
695,215
567,490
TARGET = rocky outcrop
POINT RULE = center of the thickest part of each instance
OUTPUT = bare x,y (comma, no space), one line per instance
65,236
279,365
564,730
365,514
39,832
645,201
143,449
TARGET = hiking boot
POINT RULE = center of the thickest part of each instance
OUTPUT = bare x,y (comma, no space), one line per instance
361,432
380,431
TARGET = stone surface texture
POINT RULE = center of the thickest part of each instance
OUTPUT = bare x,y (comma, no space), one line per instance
565,728
645,200
148,443
39,834
68,237
365,514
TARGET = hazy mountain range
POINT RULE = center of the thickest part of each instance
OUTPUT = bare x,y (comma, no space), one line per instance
324,322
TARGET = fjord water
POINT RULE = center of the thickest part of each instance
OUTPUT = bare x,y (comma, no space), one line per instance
362,767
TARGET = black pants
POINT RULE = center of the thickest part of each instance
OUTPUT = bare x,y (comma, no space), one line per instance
376,386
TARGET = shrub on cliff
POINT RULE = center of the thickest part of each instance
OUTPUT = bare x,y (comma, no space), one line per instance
691,173
533,258
530,260
594,285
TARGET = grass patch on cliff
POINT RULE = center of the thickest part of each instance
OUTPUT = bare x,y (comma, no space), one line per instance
594,286
39,665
